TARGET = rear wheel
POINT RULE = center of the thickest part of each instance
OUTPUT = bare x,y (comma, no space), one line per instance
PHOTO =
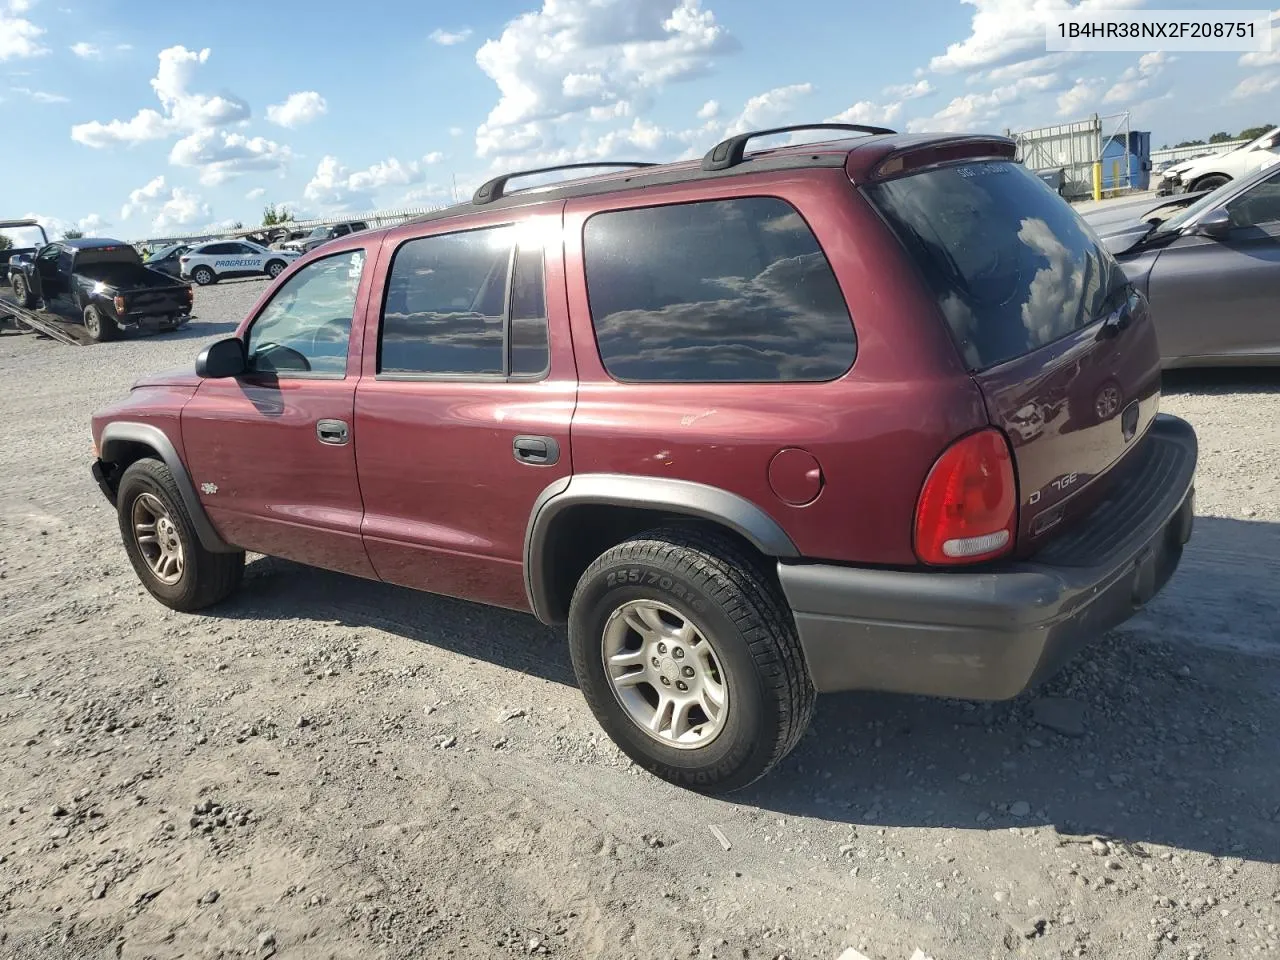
98,325
162,544
688,656
203,276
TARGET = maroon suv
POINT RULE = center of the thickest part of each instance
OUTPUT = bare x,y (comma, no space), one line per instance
878,413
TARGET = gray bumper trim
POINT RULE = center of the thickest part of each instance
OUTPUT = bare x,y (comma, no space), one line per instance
988,635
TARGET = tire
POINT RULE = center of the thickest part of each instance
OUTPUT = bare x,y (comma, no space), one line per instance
275,268
1211,182
21,292
202,578
708,581
204,276
99,326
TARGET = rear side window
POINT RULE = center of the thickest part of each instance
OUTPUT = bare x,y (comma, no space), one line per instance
453,310
717,291
1012,266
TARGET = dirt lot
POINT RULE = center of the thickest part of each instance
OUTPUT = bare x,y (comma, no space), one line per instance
325,767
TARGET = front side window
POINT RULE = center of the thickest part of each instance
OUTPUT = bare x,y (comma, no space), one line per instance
452,310
1257,206
716,291
307,325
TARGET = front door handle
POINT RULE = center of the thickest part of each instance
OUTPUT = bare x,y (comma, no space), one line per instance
334,432
538,451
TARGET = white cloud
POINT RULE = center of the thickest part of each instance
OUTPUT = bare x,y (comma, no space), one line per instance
448,38
868,112
297,109
19,37
709,110
1135,80
1049,63
575,55
1260,58
1256,85
1004,30
182,209
909,91
39,96
336,185
435,156
257,193
140,200
456,131
220,155
147,124
183,110
91,225
973,111
1080,97
768,109
86,51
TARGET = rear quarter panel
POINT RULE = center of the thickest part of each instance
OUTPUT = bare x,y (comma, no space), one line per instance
875,431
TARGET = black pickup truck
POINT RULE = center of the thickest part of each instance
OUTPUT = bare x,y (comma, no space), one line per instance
102,283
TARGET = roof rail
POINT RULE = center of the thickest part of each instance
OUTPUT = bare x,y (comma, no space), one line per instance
729,153
495,189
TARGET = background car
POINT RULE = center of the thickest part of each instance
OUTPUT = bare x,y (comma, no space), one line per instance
167,259
208,263
323,235
1212,171
1211,272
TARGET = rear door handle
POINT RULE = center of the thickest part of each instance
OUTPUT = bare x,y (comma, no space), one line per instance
334,432
538,451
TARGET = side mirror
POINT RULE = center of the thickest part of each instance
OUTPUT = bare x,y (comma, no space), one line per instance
1215,224
223,359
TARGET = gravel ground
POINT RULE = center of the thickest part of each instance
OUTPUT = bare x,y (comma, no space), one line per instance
325,767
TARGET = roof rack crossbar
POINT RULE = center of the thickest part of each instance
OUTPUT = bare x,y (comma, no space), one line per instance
495,189
729,153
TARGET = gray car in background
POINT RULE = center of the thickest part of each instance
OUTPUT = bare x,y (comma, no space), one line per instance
1211,271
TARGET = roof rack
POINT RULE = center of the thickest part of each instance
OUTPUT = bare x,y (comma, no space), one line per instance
729,153
495,189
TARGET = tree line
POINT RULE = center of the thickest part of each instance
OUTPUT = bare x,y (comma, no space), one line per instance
1248,133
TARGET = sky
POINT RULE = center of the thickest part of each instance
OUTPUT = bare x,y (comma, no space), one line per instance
136,120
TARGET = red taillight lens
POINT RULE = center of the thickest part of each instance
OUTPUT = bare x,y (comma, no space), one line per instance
119,302
968,507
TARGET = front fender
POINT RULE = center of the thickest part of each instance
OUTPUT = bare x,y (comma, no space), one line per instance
120,438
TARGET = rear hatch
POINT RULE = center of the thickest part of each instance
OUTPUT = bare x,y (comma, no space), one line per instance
1060,344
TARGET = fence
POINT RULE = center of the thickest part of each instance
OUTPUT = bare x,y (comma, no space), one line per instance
1078,150
1176,154
377,218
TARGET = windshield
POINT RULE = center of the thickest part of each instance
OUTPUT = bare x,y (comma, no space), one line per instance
1207,202
319,232
1262,139
167,251
1012,266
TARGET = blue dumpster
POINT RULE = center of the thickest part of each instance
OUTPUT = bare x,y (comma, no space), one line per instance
1113,161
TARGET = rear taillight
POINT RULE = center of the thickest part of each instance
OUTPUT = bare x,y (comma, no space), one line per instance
968,507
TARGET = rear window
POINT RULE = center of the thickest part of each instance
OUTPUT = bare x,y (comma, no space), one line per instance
1012,266
716,291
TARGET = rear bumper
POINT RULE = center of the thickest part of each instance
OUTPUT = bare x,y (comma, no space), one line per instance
992,634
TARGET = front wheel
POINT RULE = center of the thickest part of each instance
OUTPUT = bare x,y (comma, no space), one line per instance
1211,182
21,292
162,543
275,268
203,276
687,654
